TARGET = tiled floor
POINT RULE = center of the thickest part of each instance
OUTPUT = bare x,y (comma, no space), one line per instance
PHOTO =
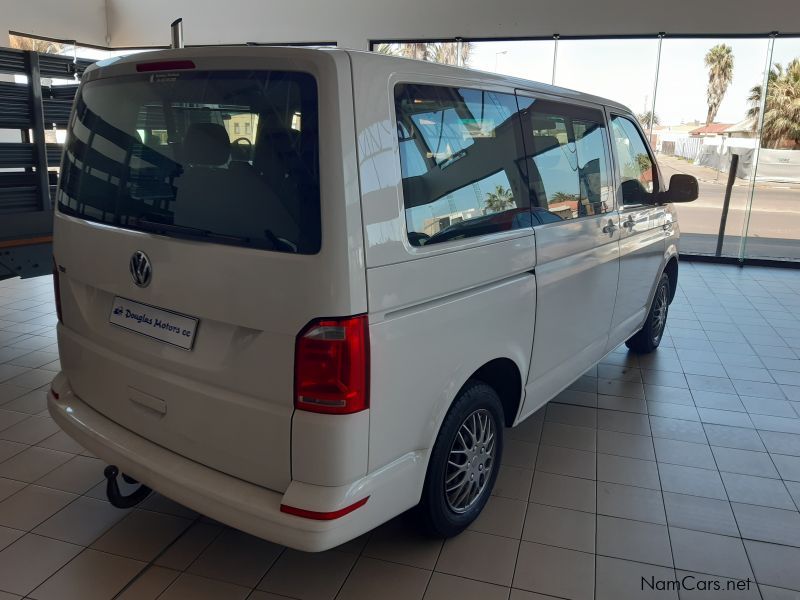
682,463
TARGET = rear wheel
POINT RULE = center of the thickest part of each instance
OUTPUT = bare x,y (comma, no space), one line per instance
464,462
650,336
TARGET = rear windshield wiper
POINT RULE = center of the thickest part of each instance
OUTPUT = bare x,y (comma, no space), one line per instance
197,233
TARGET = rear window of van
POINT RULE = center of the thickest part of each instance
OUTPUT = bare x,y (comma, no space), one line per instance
226,157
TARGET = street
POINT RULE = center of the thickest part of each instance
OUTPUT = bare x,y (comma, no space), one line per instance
774,230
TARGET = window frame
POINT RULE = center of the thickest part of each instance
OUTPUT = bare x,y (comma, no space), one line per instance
610,167
657,187
447,246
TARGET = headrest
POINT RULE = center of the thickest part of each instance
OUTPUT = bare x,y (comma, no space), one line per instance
207,144
543,143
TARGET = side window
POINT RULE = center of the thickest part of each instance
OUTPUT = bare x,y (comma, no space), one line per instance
637,172
566,161
460,158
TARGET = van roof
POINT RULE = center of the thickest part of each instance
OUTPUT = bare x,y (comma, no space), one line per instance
390,61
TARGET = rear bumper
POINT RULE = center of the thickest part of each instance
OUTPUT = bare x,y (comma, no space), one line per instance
245,506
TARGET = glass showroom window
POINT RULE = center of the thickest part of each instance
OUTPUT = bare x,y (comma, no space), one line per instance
774,224
702,113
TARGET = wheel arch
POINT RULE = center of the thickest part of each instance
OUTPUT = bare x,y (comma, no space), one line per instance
504,377
671,269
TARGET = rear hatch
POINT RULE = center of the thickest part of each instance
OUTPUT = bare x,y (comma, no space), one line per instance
200,227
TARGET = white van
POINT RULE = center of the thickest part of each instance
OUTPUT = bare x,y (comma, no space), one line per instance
304,290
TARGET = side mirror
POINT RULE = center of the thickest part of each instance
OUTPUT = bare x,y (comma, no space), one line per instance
682,188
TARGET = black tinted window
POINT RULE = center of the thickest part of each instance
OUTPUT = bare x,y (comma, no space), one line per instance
228,157
566,150
460,155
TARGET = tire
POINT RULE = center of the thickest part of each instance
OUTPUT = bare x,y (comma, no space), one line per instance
477,408
650,335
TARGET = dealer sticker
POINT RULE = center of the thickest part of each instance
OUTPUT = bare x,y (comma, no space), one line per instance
164,325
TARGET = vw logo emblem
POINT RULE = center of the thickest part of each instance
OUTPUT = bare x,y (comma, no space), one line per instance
140,269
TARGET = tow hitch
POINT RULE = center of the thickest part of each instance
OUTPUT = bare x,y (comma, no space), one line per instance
115,496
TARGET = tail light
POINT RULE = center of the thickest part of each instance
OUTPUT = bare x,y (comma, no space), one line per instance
331,368
57,290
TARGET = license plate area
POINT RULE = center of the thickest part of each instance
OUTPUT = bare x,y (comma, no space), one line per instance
157,323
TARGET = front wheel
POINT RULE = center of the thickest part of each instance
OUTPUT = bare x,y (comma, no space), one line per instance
464,461
650,336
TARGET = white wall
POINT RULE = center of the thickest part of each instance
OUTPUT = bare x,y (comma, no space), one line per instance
82,20
352,23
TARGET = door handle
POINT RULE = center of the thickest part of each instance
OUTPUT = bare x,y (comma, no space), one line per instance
629,224
667,226
610,228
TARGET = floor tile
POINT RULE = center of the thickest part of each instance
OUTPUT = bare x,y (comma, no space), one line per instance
32,505
717,401
788,466
734,437
700,514
709,553
308,576
774,564
8,487
625,444
479,556
501,516
141,535
633,540
676,429
781,443
91,575
31,560
677,452
401,541
618,579
768,406
768,524
185,550
519,454
757,490
635,405
569,436
627,471
745,462
555,571
725,417
567,414
33,463
200,588
690,480
446,587
78,475
624,422
513,482
560,527
566,461
563,491
630,502
81,521
235,557
149,584
657,393
372,578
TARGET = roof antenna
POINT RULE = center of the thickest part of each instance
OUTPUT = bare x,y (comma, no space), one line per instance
177,33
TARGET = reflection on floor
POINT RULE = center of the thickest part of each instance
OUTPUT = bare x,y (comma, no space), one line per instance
647,470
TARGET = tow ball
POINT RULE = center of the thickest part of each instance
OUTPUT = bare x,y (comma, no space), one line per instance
115,496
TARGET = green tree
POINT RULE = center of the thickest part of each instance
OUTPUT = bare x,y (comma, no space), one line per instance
782,110
502,198
559,197
644,119
440,52
719,61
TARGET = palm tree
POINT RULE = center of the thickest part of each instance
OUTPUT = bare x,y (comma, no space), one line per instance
28,43
502,198
559,197
447,53
440,52
644,119
782,110
719,61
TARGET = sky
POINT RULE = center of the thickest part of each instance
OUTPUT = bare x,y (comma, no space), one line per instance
624,70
